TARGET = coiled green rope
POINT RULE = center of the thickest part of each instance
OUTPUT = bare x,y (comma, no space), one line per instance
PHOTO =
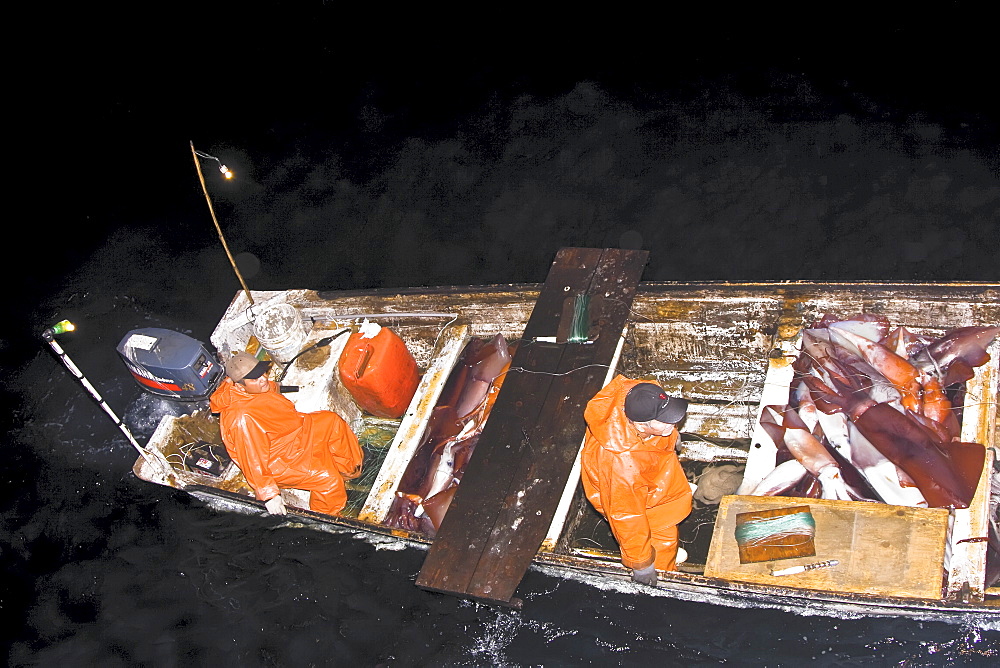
754,531
580,325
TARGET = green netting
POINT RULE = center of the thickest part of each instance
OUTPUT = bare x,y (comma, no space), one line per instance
375,437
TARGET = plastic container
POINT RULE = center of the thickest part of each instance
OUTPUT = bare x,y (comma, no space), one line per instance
280,330
379,371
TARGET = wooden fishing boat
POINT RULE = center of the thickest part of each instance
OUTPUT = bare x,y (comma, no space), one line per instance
727,347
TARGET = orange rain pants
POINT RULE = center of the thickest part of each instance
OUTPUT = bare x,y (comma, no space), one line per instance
276,446
636,483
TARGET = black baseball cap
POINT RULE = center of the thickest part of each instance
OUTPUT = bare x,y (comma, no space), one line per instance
648,401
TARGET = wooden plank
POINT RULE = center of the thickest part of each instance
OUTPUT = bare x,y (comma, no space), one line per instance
967,567
530,504
465,531
513,483
411,427
882,549
969,533
787,340
461,540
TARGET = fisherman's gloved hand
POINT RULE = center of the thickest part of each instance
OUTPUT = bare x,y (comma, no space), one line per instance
646,576
276,506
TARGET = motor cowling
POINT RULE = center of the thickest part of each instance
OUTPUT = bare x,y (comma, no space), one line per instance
170,364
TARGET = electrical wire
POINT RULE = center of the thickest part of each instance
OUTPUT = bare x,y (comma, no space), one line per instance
325,341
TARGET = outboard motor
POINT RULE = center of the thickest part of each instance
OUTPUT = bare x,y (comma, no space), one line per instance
170,364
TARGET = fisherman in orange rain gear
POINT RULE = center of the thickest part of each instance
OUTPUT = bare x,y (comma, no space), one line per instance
631,473
276,446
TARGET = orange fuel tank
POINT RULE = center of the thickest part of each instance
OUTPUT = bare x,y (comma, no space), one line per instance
379,371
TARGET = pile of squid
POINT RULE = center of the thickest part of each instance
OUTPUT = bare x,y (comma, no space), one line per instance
874,415
432,477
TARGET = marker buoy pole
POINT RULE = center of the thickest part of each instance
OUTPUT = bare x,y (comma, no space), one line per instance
66,326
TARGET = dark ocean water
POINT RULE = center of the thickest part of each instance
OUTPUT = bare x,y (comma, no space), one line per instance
764,173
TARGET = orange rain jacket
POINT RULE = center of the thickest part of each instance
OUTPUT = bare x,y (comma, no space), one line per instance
276,446
638,485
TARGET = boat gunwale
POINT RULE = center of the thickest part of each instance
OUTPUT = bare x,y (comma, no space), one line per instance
645,286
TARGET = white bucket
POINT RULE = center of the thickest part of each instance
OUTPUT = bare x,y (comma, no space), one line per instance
280,330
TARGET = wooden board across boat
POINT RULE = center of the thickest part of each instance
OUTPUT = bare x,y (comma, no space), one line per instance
726,347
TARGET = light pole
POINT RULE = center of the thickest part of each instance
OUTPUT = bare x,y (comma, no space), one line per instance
228,174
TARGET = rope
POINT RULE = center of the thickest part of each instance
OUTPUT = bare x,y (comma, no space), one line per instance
754,532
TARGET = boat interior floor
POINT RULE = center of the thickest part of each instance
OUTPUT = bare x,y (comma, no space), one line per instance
592,533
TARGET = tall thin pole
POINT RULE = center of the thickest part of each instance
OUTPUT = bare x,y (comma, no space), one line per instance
147,454
225,246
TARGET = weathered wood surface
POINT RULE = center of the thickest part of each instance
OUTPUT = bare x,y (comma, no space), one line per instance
708,341
514,481
704,311
882,549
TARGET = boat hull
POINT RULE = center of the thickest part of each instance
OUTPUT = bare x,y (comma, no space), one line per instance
722,345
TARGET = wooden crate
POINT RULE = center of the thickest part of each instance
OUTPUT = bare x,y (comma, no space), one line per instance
882,549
